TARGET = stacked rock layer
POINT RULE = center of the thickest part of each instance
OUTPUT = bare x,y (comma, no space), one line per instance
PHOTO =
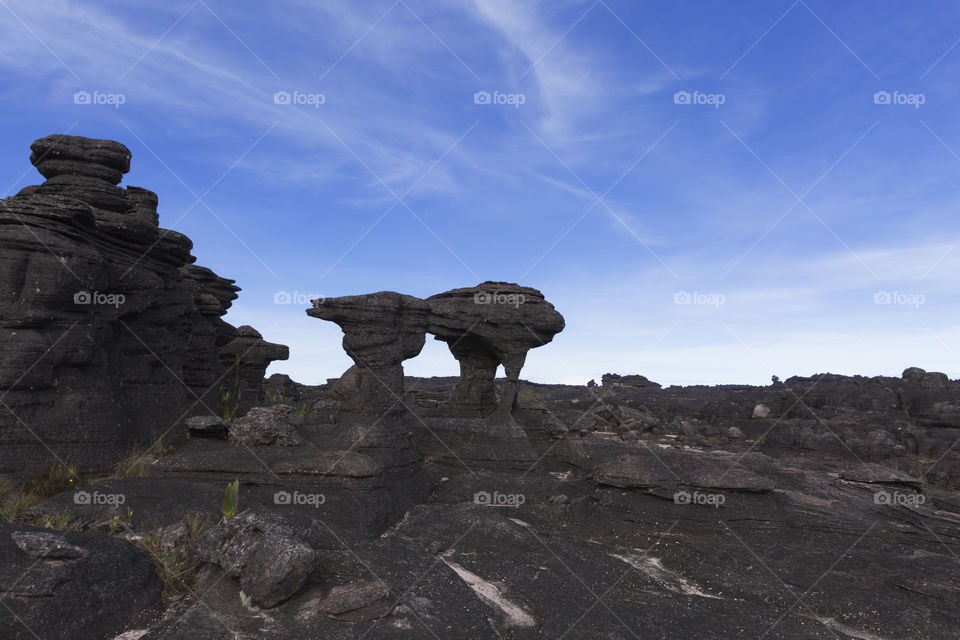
110,334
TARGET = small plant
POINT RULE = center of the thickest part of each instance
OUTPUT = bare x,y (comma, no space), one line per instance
59,521
176,566
301,409
274,396
15,502
229,396
195,524
60,477
231,499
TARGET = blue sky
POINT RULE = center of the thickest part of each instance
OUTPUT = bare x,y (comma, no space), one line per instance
709,192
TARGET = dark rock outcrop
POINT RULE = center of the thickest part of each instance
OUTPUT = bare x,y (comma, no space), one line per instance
72,585
110,335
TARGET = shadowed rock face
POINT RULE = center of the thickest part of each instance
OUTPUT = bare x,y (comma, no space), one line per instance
488,325
245,360
380,331
110,334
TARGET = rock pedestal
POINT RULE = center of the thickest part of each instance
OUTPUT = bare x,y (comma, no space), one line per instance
380,331
485,326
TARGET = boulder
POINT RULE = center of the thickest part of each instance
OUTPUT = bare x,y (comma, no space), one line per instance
261,550
73,586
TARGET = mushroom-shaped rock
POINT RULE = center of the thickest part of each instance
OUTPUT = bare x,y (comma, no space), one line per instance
245,360
380,331
487,325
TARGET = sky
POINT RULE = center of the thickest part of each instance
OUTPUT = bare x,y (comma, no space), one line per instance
710,193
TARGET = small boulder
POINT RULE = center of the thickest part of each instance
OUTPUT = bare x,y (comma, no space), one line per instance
761,411
364,600
266,425
272,562
46,546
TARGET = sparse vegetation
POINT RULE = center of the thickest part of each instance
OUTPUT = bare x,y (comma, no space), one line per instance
62,521
14,501
177,565
229,396
60,477
134,465
529,396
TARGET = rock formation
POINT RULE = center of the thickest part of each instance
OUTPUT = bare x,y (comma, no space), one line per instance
110,334
244,361
488,325
485,326
380,331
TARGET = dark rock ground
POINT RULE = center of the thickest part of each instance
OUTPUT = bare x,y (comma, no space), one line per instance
822,507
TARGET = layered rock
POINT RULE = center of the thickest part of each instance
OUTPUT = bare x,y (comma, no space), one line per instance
110,333
380,331
244,361
488,325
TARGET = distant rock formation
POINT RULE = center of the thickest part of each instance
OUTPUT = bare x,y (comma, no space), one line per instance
380,331
641,382
110,334
484,326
